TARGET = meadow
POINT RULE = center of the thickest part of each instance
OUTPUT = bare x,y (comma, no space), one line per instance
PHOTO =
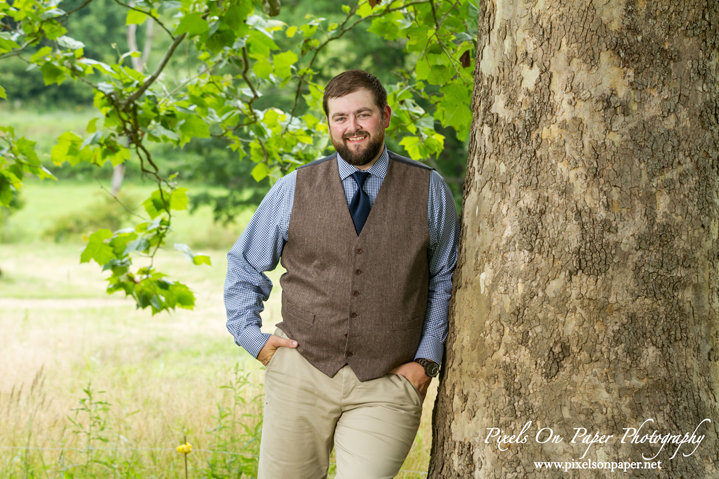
92,387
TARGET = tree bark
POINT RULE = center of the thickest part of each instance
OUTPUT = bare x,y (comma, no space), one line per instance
586,290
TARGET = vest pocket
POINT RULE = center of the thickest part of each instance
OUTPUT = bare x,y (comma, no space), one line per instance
289,310
411,324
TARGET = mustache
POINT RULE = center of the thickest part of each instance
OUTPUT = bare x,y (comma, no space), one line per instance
355,133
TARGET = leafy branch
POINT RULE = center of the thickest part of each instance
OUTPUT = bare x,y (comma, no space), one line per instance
137,110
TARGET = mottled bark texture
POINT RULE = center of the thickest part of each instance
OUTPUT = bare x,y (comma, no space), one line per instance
586,291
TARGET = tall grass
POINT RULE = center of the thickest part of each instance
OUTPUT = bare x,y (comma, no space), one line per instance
79,369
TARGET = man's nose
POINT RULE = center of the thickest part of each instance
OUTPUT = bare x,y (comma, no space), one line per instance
354,124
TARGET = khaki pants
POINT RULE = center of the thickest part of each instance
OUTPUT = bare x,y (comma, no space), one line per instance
371,424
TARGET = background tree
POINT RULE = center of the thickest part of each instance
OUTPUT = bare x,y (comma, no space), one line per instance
224,71
585,294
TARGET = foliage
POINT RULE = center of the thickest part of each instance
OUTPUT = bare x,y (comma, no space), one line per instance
233,58
90,421
230,420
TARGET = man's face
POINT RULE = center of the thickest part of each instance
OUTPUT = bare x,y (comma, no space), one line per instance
357,127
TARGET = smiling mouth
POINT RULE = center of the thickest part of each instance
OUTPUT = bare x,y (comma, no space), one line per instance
355,139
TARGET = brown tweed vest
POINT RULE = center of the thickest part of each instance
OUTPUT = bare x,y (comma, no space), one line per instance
357,300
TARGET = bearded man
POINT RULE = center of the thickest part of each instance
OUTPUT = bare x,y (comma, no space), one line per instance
369,242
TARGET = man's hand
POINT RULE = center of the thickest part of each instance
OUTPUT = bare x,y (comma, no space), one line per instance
414,372
268,350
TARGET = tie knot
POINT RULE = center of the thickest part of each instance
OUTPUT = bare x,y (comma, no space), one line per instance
360,177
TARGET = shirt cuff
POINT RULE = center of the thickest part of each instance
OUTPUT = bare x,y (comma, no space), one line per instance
430,348
253,339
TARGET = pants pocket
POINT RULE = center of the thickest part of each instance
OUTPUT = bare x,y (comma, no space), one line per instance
412,391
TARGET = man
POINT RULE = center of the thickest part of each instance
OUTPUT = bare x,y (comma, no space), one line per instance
368,239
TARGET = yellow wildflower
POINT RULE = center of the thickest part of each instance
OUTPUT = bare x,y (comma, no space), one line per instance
185,448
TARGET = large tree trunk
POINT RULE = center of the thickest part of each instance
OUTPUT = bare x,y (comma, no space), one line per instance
586,291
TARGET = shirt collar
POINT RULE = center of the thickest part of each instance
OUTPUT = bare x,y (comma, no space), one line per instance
378,169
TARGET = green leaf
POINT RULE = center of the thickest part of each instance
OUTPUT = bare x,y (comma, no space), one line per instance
70,43
412,145
52,13
27,148
93,139
156,203
259,172
6,44
291,31
2,93
52,74
103,67
346,8
97,249
237,14
387,26
311,120
262,68
135,18
92,125
260,45
454,110
364,10
160,131
283,62
202,259
5,192
194,126
197,259
160,200
179,199
42,53
66,149
192,24
53,30
140,244
183,296
308,30
434,69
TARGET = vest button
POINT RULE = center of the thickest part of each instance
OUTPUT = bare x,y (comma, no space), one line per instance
359,250
349,355
355,293
352,315
357,271
345,335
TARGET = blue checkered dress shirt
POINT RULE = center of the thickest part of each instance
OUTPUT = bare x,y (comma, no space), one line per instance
259,248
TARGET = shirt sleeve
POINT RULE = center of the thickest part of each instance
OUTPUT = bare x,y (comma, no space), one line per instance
443,238
257,250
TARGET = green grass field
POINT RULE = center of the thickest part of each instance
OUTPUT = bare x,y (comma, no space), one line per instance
67,348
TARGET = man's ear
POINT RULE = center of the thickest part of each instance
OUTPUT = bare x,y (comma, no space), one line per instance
387,115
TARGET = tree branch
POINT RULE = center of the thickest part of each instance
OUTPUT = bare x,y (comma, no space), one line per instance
129,7
160,67
342,30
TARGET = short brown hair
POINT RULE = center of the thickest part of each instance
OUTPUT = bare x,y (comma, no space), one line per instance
351,81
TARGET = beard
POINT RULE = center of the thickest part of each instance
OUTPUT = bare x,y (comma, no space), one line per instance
370,151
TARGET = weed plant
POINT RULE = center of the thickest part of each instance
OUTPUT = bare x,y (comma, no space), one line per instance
90,443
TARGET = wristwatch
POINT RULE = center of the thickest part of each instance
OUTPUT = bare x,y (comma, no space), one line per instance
431,368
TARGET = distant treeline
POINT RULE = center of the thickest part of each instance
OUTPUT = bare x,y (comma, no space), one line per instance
210,161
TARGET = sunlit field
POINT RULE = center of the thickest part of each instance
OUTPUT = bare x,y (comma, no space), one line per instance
92,387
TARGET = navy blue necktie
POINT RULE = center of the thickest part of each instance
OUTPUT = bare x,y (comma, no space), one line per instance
359,206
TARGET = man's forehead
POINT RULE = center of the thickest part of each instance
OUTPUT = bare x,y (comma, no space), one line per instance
358,100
